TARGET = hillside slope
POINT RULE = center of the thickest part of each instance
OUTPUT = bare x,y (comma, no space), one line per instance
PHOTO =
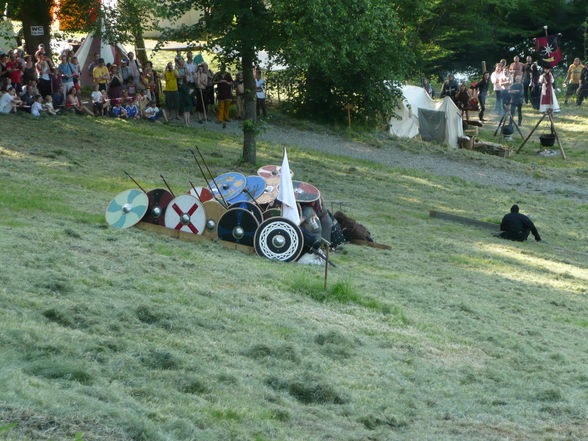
452,335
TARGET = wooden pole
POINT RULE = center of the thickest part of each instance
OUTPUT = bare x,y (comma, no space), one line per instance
326,266
212,177
563,154
531,133
136,183
167,185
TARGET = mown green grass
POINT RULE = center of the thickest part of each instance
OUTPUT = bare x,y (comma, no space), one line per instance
127,335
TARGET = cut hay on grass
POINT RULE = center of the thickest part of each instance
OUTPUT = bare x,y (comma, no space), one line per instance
127,335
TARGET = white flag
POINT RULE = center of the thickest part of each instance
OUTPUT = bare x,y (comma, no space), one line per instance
286,195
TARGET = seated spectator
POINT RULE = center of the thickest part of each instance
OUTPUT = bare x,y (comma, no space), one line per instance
9,101
7,84
132,110
57,86
37,107
49,106
153,113
105,103
28,97
118,111
142,101
73,104
97,104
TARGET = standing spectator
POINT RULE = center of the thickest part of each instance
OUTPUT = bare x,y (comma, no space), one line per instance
516,67
209,96
482,87
224,84
572,78
240,91
125,72
100,75
115,87
172,96
191,74
535,86
135,69
260,92
583,85
94,63
548,98
500,81
30,71
67,71
449,87
44,71
185,98
3,71
428,88
201,81
527,78
516,98
40,51
77,72
15,70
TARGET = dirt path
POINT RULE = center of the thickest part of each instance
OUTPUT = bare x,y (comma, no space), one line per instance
431,163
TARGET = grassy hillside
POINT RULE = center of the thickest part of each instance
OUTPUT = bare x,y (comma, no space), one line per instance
127,335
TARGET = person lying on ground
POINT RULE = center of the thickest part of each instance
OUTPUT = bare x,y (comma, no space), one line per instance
516,226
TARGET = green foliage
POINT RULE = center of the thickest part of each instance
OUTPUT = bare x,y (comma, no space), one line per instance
335,61
8,426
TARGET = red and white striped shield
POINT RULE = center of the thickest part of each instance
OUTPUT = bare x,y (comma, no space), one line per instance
185,213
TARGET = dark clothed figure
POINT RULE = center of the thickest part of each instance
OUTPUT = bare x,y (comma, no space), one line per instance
535,87
583,89
516,100
482,87
517,226
449,88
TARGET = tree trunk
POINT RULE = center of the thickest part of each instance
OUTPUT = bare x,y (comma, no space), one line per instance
36,13
249,129
140,47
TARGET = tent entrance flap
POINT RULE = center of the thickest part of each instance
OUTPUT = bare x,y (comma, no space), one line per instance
416,98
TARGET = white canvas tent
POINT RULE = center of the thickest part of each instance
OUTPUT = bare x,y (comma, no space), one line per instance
112,54
408,124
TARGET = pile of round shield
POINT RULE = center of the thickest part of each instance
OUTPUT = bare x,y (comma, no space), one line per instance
234,208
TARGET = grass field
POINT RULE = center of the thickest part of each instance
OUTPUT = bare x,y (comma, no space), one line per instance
127,335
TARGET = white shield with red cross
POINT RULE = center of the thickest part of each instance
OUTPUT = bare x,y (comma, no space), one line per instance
185,213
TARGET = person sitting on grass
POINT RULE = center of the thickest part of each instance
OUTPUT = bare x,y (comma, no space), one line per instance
97,104
48,106
9,102
516,226
132,109
142,101
105,102
73,104
37,107
28,97
118,111
153,113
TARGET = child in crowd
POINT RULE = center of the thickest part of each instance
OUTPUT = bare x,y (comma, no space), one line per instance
97,104
37,107
49,106
153,113
132,109
118,111
105,103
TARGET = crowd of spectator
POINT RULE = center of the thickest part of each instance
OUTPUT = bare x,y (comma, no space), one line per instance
39,86
516,84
